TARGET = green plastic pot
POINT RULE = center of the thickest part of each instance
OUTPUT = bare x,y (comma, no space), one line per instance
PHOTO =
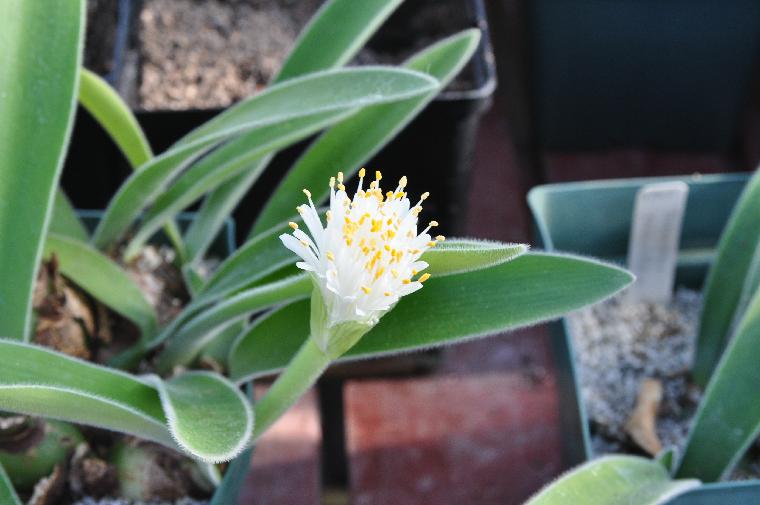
594,219
222,246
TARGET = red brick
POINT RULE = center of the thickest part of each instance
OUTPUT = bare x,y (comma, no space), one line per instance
480,439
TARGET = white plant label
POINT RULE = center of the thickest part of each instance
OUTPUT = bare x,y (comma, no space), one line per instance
655,235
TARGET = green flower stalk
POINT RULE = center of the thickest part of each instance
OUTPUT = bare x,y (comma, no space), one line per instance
361,263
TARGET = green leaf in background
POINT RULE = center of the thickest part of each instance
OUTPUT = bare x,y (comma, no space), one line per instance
727,275
103,279
614,480
333,36
110,111
188,341
40,51
333,91
335,33
37,381
530,289
728,419
221,165
65,221
208,417
352,142
8,495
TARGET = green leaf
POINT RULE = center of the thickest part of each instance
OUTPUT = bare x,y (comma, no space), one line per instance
614,480
465,255
108,109
65,220
725,280
728,419
528,290
334,34
40,51
7,493
325,92
208,417
332,37
352,142
104,279
188,341
38,381
223,164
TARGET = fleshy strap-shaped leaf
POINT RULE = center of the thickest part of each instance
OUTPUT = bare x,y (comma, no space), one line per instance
614,480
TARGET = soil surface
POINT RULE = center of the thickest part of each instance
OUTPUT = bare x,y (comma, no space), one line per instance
200,54
619,346
102,16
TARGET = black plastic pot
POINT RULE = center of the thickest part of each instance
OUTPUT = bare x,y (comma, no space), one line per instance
594,218
223,245
435,149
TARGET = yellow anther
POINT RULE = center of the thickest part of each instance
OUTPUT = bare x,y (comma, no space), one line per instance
402,182
414,272
341,187
424,277
389,195
330,256
440,238
340,176
387,247
387,293
416,211
406,281
379,273
328,215
293,225
394,273
433,224
378,175
400,195
307,193
304,243
362,173
300,210
366,290
425,196
431,243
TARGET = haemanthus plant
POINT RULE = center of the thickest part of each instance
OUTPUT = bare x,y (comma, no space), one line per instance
727,420
254,315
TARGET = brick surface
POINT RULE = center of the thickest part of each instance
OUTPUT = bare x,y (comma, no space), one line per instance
479,439
285,469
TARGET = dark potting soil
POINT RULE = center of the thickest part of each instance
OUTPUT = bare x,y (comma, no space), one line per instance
619,346
200,54
102,18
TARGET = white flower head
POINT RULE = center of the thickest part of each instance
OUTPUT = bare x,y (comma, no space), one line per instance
367,256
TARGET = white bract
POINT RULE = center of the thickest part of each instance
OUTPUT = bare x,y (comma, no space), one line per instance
366,257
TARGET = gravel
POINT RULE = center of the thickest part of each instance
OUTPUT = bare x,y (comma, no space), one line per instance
619,343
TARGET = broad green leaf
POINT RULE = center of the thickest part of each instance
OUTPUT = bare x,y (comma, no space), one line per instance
110,111
751,285
332,37
7,493
65,220
725,280
352,142
530,289
614,480
208,417
40,51
221,165
184,345
38,381
464,255
104,279
325,92
728,419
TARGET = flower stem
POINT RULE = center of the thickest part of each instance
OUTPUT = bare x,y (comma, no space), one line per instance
302,372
